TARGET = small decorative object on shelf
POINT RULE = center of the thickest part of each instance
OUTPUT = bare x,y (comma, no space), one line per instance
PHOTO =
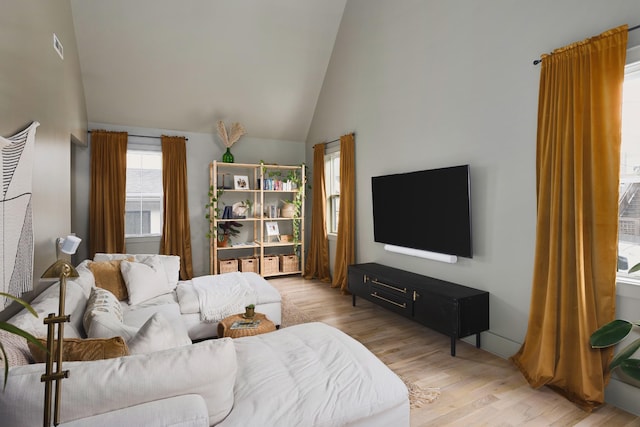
250,311
228,139
288,209
227,157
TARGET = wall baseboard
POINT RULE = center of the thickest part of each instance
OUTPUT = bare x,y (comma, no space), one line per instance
618,393
495,344
623,396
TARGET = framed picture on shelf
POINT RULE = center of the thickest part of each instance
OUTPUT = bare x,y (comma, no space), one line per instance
224,181
240,182
272,230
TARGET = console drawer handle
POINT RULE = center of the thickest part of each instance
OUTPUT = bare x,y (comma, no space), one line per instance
403,290
403,305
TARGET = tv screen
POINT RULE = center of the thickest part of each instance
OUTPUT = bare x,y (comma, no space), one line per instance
428,210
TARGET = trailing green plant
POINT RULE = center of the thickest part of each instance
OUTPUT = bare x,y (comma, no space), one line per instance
295,176
17,331
613,333
212,211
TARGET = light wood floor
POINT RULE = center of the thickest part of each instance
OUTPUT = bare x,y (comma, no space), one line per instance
477,387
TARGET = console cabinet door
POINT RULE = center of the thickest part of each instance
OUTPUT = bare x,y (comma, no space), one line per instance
358,284
437,313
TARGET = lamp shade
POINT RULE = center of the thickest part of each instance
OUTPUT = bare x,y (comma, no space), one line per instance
69,244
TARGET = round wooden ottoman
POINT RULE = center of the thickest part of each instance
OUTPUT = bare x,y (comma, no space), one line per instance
226,324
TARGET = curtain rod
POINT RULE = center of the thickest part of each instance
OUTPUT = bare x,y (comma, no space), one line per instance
143,136
537,61
335,140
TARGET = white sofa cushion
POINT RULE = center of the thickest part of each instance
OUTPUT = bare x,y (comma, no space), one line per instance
157,334
317,376
144,280
182,411
85,277
171,263
207,368
48,302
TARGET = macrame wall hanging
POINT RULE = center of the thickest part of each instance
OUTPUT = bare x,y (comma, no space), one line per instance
16,226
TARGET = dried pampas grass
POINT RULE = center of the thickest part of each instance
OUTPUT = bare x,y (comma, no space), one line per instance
236,132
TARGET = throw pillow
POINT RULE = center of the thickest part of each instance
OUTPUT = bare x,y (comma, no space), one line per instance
76,349
16,349
144,280
171,263
107,276
158,334
103,316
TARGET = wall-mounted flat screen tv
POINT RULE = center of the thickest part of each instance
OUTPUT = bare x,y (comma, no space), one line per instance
427,210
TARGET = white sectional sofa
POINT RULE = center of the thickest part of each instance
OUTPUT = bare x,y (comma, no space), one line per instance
182,298
309,374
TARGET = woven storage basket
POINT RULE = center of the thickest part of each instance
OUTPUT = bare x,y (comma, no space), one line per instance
289,263
249,264
271,265
228,265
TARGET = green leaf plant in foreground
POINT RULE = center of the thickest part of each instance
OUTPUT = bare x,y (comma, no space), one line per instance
613,333
16,331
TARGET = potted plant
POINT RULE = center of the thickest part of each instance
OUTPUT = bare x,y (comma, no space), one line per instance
613,333
250,311
228,229
289,209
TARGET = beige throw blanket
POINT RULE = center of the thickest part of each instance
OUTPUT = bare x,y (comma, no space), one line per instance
223,295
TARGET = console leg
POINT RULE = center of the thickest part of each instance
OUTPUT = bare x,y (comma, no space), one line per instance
478,340
354,300
453,346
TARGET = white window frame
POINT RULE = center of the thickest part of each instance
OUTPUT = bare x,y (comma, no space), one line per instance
155,147
332,193
631,69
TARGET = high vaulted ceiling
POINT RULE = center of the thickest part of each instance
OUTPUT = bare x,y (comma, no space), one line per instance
183,65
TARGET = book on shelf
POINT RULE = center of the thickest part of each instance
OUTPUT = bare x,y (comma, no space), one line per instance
244,245
245,324
226,214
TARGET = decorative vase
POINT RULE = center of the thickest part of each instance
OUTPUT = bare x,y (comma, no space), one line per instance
227,157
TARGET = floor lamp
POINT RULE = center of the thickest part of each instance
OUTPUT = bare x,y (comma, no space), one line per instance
61,269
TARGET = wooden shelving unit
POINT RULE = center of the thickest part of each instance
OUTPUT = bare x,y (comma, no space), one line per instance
267,186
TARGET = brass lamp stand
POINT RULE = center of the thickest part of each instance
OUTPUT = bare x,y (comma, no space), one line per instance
60,269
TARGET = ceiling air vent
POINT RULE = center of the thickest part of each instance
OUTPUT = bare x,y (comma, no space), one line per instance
58,46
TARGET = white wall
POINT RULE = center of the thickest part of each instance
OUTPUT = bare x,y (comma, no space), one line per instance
202,149
35,84
427,84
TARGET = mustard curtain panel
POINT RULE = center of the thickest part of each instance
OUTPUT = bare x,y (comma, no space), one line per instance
107,192
345,246
176,230
318,255
578,157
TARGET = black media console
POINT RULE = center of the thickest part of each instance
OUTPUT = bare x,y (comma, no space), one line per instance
454,310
